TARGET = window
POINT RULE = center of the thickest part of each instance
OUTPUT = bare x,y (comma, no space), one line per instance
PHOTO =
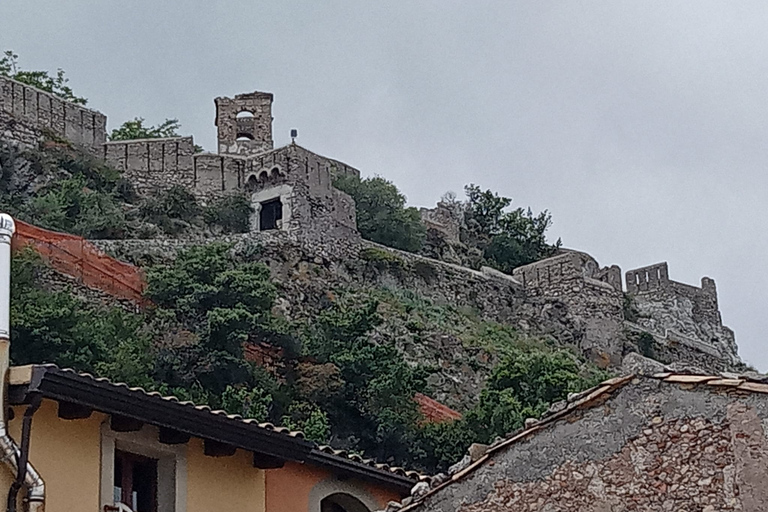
135,483
142,473
244,136
245,114
271,214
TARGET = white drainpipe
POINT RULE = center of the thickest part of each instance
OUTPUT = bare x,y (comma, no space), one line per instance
9,450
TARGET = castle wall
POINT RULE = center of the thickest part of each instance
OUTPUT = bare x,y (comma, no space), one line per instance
26,112
593,300
678,312
153,165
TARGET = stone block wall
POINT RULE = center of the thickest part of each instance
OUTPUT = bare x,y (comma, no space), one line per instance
592,296
25,112
680,313
444,219
249,134
153,165
651,446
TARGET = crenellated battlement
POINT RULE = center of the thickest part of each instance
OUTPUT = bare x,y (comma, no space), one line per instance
26,112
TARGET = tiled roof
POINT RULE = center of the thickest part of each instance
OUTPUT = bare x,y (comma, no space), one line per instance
433,411
413,475
25,376
590,398
172,399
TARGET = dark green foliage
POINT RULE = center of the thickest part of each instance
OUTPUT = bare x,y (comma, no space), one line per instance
58,327
135,129
509,239
174,211
521,386
41,79
381,213
382,259
74,208
232,214
375,406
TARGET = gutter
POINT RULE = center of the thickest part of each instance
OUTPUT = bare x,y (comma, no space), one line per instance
10,453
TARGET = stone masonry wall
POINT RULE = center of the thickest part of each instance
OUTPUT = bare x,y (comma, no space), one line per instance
651,447
680,313
153,165
25,112
593,298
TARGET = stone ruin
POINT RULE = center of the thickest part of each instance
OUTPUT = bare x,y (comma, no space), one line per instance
684,320
291,189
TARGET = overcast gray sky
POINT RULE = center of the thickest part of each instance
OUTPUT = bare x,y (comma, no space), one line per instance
641,125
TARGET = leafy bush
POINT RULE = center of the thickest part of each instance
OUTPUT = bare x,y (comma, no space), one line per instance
65,189
58,327
231,213
135,129
174,211
381,213
382,259
72,207
509,239
521,386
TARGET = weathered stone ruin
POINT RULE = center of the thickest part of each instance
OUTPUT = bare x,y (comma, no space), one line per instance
301,216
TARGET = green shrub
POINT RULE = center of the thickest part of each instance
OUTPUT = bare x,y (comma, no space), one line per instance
509,239
174,211
381,213
231,213
381,258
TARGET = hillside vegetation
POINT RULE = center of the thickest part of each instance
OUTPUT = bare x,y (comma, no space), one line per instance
344,370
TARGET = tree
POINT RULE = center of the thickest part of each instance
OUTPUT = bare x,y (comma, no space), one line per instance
509,239
135,129
41,79
381,213
522,385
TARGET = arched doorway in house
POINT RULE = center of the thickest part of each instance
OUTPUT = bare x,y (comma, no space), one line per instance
342,502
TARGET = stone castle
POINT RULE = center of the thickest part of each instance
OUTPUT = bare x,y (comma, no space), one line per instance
292,193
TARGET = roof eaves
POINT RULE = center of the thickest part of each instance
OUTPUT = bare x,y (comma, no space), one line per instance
152,408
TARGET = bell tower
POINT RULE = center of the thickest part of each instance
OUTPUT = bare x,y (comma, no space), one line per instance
244,123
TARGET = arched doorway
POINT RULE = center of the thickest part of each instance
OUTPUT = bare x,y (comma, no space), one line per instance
342,502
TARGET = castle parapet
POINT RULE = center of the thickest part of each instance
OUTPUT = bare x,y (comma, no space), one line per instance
26,112
647,278
153,165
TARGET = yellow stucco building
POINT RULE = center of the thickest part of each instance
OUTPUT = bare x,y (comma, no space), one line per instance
101,446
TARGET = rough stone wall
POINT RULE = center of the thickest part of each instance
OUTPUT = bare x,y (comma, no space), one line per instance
249,134
593,298
153,165
26,112
680,313
444,219
651,447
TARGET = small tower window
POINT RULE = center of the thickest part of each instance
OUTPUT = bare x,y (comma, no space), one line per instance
244,136
271,214
245,114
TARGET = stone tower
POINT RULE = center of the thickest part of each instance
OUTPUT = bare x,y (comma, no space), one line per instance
244,123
